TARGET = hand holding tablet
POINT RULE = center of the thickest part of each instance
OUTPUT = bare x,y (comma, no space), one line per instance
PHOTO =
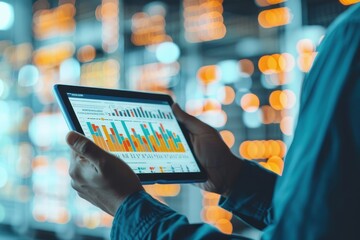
137,127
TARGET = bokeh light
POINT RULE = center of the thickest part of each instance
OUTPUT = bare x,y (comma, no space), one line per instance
6,16
246,66
348,2
86,53
229,71
262,149
226,95
252,119
28,76
167,52
250,102
274,100
208,74
287,125
228,137
274,17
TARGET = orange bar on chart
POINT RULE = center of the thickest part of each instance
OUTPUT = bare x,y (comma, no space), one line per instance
108,141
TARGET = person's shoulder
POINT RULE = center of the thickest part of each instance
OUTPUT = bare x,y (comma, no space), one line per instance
352,14
349,18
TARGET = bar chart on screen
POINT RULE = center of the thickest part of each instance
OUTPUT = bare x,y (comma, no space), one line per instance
145,135
141,137
139,112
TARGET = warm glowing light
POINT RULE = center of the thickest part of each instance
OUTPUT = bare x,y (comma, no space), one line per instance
287,125
274,17
305,46
268,114
224,226
148,29
228,137
208,74
276,164
53,55
203,20
265,3
262,149
246,66
213,213
194,106
274,100
54,22
100,73
287,99
276,63
86,53
307,54
108,14
286,62
167,190
250,102
226,95
305,61
348,2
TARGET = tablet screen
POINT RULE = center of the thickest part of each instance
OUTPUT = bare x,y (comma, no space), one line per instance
144,133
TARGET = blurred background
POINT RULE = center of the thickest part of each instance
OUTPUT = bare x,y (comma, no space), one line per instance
236,65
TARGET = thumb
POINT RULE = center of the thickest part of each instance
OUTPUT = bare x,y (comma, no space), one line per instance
193,124
84,147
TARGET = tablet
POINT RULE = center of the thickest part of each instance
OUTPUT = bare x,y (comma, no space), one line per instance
139,128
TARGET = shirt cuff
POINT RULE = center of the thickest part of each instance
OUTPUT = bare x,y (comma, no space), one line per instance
136,216
251,197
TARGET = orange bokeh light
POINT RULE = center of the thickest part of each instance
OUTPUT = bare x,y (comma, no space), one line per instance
348,2
86,53
250,102
268,114
246,66
208,74
274,17
211,105
262,149
274,100
224,226
287,99
276,164
226,95
265,3
228,137
276,63
305,46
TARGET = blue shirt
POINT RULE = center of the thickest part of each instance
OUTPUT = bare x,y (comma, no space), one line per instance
318,195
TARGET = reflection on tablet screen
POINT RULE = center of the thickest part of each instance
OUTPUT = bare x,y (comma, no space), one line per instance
143,133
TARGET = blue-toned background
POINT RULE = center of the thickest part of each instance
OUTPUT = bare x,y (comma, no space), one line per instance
236,65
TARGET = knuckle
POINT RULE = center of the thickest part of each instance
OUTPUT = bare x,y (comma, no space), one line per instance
84,146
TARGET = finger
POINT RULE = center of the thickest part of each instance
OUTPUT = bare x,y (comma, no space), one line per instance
193,124
75,171
85,147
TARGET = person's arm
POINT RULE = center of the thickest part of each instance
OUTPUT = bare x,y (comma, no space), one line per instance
108,182
142,217
246,187
251,197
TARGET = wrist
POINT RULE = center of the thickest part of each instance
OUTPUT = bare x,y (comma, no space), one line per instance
235,172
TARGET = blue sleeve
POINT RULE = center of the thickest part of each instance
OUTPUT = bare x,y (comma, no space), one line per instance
142,217
251,197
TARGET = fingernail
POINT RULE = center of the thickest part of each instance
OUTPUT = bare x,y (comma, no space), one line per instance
71,138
